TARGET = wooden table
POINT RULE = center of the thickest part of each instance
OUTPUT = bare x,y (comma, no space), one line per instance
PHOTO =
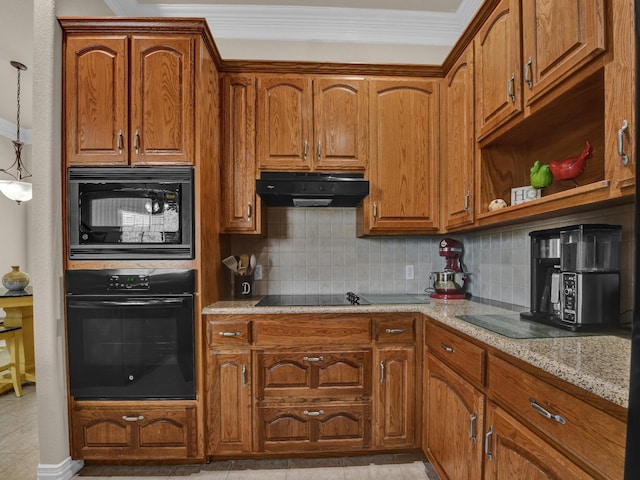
11,336
18,307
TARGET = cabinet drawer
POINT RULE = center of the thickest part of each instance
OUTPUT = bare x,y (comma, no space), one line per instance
314,374
395,330
134,432
316,427
313,329
228,332
458,353
593,436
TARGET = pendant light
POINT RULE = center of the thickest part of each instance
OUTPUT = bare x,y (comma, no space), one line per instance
17,189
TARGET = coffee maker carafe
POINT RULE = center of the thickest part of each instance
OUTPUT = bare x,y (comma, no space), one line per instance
575,276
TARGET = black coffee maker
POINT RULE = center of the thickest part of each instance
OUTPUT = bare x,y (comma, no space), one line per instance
575,276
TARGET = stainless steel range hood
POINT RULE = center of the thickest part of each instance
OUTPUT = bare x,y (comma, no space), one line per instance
312,189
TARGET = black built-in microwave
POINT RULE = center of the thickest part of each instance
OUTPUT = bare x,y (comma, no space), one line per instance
130,213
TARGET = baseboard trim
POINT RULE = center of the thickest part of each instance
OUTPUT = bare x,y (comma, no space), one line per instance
64,470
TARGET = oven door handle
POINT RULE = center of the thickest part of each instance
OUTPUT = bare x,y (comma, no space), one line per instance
138,302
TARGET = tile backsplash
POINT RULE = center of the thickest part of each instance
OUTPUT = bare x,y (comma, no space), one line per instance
315,250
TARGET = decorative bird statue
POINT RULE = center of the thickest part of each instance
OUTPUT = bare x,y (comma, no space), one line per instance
572,167
540,175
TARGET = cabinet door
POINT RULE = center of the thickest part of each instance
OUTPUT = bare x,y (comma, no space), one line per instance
162,99
241,208
559,37
497,68
284,123
95,79
453,420
134,432
340,124
457,143
229,402
512,451
395,403
404,158
621,99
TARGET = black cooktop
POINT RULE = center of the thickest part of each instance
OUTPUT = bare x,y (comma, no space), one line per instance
349,298
308,300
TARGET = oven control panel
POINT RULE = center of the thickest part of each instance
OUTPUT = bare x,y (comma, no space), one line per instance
128,282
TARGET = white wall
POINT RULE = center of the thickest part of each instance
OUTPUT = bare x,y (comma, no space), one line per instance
14,218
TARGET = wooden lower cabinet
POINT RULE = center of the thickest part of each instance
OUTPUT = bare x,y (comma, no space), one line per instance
513,451
454,416
229,399
395,399
134,430
314,426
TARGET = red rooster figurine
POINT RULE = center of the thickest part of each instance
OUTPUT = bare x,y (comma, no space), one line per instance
571,167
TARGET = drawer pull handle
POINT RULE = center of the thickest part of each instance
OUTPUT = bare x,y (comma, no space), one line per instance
244,375
487,439
510,83
313,414
527,73
446,347
395,331
119,142
229,334
472,427
382,371
623,156
546,413
313,359
126,418
136,142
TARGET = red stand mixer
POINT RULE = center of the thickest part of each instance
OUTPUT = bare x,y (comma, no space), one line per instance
449,284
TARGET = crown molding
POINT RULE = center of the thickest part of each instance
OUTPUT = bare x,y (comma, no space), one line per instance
8,129
316,24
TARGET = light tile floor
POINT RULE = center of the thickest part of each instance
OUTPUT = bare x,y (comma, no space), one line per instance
20,457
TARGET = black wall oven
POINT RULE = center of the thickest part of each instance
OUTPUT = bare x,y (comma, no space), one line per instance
130,334
130,213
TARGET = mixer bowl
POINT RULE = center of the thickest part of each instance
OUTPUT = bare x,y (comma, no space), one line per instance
448,282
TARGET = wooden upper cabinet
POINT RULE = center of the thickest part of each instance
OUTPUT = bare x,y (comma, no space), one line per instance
284,123
559,37
306,123
403,149
621,99
340,124
241,207
162,99
498,80
457,143
135,108
96,95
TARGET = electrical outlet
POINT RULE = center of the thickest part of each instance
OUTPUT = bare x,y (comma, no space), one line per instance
257,273
409,272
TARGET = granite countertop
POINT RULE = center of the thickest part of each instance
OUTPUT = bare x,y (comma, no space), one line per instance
597,363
